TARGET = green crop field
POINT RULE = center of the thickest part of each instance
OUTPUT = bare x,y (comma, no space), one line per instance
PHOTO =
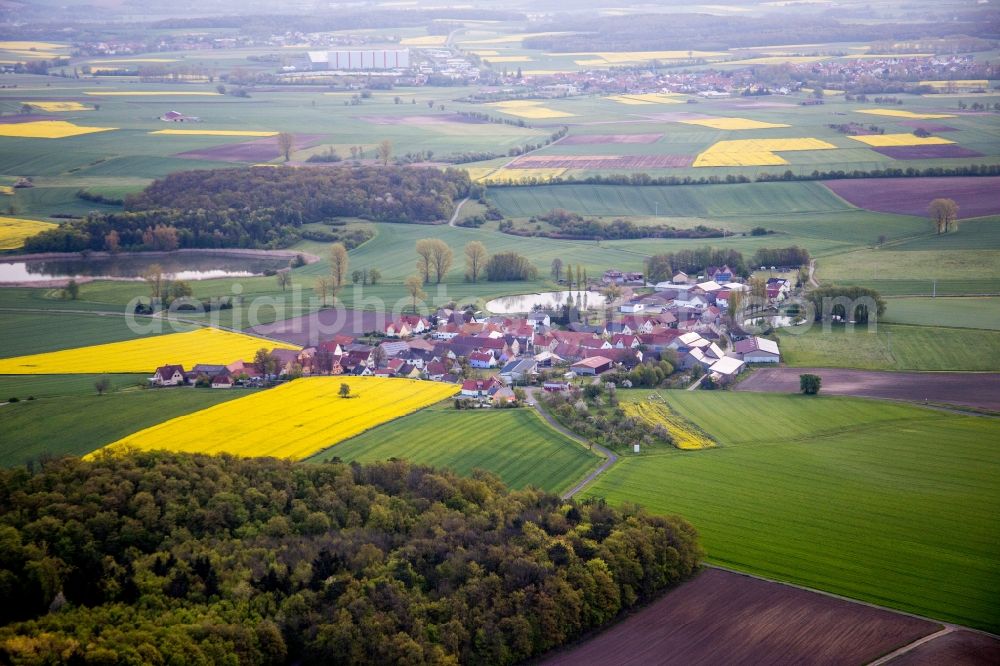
48,386
78,424
969,312
515,444
886,503
36,332
892,347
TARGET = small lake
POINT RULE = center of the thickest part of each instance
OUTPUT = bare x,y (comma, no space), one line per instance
131,267
545,300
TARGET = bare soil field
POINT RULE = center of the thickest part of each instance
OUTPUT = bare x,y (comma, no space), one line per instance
927,152
911,196
959,648
723,617
258,150
24,118
980,390
592,139
320,326
676,116
603,162
928,125
417,121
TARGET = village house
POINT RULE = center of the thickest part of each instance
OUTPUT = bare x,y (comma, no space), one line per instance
726,369
482,360
479,388
168,375
222,380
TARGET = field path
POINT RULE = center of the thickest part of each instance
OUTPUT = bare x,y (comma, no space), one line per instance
610,457
912,646
458,209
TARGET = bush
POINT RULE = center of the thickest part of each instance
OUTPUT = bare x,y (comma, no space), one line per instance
810,384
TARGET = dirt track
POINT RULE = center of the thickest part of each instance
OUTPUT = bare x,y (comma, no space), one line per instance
727,618
958,648
981,390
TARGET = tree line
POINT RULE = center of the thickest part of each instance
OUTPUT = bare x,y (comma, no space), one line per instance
154,556
260,208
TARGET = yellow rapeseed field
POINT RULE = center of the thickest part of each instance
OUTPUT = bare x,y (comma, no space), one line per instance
510,39
963,83
28,46
513,58
204,345
648,98
61,106
156,93
14,230
528,109
485,53
776,60
48,129
755,152
504,175
7,190
294,420
733,123
685,434
427,40
899,113
213,132
890,140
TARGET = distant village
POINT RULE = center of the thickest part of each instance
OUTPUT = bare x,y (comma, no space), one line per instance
682,320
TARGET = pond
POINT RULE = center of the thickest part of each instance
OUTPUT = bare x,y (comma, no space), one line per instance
545,300
186,266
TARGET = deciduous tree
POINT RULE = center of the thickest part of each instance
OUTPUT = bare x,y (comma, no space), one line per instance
339,262
944,214
286,144
475,260
414,287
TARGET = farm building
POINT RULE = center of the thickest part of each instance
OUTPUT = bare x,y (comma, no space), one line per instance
519,370
758,350
178,117
371,59
726,369
594,365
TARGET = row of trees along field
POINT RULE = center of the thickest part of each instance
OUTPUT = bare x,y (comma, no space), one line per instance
154,557
661,267
262,207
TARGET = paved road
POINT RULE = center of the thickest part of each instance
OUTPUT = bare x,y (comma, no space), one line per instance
610,457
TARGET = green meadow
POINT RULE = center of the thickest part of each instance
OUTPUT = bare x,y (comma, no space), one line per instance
886,503
515,444
72,420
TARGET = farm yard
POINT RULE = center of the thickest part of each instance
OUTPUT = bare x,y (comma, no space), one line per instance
294,420
909,492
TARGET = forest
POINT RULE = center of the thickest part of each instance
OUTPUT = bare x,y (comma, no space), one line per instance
156,557
258,208
661,267
573,226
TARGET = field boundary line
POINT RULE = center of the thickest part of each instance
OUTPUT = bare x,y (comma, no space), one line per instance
458,209
912,646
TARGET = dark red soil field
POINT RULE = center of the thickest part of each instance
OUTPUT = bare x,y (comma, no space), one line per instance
24,118
726,618
258,150
928,125
910,196
591,139
311,329
603,162
927,152
980,390
959,648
